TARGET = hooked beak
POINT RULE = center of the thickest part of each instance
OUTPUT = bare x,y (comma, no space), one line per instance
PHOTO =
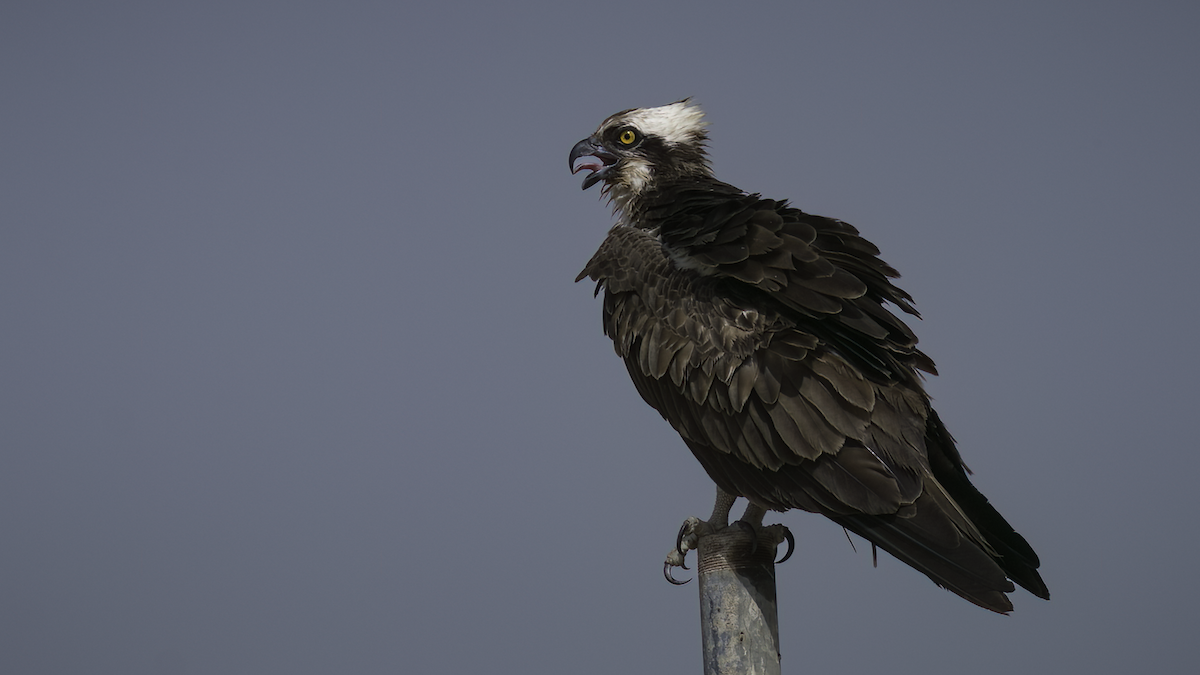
590,155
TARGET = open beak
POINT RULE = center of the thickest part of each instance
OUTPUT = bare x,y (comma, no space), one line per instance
590,155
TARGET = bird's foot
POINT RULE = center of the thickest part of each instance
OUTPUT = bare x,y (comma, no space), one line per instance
688,539
751,533
775,534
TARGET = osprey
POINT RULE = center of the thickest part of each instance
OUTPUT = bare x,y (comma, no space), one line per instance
762,334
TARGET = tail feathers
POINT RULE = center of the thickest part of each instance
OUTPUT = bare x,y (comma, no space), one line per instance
1011,555
1012,552
930,543
1014,555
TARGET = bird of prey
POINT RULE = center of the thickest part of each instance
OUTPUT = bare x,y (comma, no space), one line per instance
764,336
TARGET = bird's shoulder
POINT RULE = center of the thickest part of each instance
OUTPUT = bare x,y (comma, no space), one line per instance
808,261
819,272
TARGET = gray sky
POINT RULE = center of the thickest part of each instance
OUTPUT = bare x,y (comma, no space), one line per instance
295,378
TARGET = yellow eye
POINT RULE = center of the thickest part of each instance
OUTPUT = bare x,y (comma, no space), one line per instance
627,137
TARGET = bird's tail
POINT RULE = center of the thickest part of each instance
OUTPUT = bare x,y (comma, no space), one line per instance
1014,555
954,535
930,542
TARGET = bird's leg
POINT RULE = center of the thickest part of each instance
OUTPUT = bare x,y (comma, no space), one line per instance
753,515
720,514
693,528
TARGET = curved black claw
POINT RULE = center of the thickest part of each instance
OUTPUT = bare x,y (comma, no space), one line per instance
748,528
679,544
787,534
667,574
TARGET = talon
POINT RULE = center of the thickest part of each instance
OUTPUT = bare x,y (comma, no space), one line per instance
667,574
747,527
679,540
791,542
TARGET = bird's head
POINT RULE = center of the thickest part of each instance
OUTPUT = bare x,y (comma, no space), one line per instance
634,150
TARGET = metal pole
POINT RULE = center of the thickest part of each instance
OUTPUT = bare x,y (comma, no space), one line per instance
739,622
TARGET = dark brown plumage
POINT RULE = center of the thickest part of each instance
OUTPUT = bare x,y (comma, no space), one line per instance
760,333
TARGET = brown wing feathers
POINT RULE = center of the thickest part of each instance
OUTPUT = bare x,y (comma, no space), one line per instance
775,360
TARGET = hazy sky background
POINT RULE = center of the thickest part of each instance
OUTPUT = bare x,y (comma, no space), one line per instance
295,379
